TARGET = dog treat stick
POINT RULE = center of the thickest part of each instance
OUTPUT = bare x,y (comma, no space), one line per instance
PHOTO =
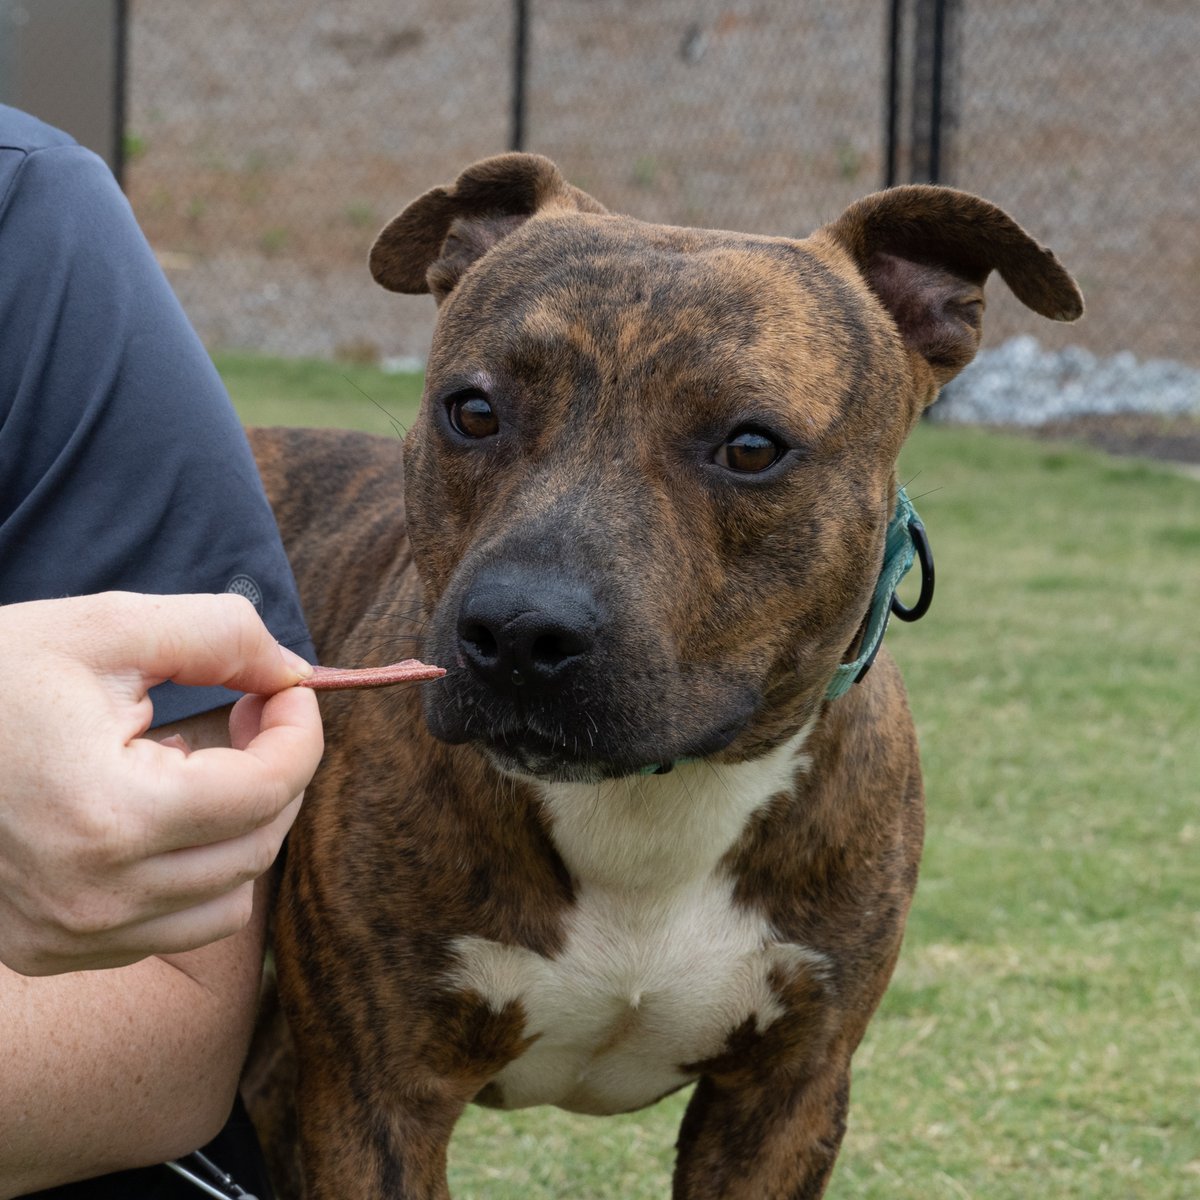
408,671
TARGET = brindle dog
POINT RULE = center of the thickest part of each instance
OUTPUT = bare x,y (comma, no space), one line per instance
640,520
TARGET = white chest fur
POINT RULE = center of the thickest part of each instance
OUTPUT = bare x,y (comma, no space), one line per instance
659,963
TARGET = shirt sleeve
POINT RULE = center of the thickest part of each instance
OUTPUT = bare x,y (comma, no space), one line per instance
122,462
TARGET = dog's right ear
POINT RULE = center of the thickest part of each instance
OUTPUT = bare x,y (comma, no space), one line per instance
438,236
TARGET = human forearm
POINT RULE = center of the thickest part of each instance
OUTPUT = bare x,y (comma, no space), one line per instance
106,1070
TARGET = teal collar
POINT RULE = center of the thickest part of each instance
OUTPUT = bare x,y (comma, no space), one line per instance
905,542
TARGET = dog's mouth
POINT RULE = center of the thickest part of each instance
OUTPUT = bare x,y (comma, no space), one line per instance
566,757
534,756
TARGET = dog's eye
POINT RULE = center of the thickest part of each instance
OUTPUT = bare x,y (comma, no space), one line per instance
472,415
749,452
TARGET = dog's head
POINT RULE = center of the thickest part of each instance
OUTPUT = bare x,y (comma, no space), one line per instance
653,469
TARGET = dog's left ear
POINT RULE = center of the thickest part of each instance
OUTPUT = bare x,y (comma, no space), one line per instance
926,252
439,235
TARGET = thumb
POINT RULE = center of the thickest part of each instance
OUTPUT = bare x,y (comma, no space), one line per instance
198,640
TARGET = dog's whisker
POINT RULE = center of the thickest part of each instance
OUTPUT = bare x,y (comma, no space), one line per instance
939,488
718,775
397,426
395,616
639,790
389,647
414,610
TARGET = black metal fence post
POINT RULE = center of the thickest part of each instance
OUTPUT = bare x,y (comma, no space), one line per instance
924,84
120,91
516,139
891,102
925,132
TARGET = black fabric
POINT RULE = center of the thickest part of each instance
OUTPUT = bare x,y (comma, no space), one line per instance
235,1150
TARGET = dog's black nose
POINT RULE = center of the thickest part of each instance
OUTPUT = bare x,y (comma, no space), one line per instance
524,630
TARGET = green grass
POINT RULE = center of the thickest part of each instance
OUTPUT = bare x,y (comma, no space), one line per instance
271,391
1042,1034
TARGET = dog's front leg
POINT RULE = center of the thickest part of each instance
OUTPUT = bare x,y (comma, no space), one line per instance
377,1100
355,1147
772,1139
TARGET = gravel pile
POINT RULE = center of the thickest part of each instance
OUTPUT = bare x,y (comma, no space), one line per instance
1019,383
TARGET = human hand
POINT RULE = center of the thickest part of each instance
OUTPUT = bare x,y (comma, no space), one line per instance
113,846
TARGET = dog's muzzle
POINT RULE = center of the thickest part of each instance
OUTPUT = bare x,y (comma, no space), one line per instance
549,685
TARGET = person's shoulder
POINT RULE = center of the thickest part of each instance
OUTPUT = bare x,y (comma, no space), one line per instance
31,148
46,177
24,133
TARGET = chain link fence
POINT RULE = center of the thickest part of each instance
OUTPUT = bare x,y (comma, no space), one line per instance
267,142
1083,120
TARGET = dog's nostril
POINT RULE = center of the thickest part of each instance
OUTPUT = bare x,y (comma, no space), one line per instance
481,639
550,649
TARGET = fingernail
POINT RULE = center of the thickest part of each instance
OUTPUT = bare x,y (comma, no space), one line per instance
295,663
177,742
